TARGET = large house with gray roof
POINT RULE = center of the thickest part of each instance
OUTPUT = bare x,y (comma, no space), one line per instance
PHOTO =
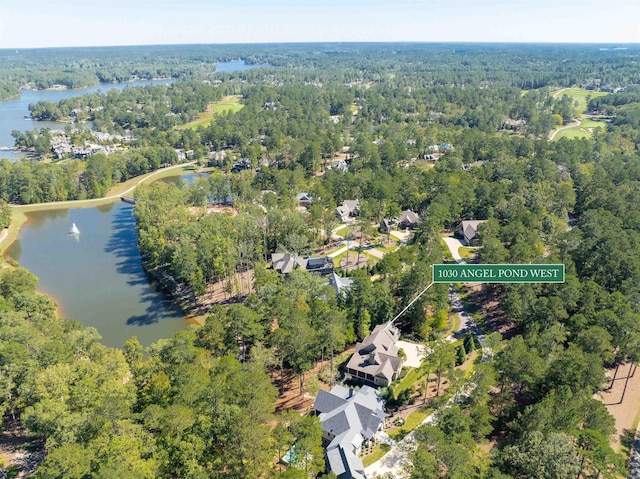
285,263
376,360
349,420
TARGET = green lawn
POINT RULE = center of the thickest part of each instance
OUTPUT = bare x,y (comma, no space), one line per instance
446,254
381,450
344,231
408,381
466,253
584,130
413,421
456,322
227,103
580,95
386,249
424,165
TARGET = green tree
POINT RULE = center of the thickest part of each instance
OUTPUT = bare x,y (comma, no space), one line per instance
308,454
551,456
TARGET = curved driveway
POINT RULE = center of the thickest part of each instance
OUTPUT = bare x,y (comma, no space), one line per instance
454,244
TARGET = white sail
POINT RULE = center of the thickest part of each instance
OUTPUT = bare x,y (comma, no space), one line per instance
74,230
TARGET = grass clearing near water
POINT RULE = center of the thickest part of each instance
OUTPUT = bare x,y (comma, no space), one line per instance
228,103
19,212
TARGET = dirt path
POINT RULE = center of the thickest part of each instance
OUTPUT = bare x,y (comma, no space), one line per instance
624,411
288,386
552,133
91,202
19,450
555,95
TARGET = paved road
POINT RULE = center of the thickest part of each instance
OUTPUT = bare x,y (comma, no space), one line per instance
397,458
337,252
553,133
466,321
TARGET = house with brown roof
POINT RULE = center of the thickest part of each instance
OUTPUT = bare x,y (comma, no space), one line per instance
376,360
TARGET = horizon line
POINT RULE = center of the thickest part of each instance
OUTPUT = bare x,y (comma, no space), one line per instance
339,42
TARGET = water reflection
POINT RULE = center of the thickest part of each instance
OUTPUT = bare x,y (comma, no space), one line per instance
97,276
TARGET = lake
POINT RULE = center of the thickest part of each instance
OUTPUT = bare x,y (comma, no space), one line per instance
13,112
97,277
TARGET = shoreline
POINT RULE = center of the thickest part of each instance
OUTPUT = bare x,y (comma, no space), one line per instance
20,217
19,212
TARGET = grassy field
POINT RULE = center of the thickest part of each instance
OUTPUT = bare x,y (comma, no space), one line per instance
424,165
580,95
584,130
216,108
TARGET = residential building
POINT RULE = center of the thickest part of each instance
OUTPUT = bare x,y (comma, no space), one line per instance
304,199
349,421
385,225
468,230
241,165
284,263
376,360
322,265
408,219
348,209
340,284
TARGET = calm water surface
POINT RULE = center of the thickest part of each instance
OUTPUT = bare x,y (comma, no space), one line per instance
97,277
13,112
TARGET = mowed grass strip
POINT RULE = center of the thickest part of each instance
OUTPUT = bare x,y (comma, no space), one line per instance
228,103
381,450
583,130
414,419
580,95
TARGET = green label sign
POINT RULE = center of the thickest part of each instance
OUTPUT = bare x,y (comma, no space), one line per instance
498,273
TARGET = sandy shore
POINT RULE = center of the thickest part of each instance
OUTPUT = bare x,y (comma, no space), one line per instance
624,411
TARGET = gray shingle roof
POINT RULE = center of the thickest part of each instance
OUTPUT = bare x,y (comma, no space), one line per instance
469,228
339,283
327,401
357,416
285,263
408,217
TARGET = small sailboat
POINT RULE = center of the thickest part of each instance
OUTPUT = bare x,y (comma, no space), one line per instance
74,230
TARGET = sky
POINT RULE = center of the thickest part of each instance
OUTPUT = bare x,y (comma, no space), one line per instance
60,23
